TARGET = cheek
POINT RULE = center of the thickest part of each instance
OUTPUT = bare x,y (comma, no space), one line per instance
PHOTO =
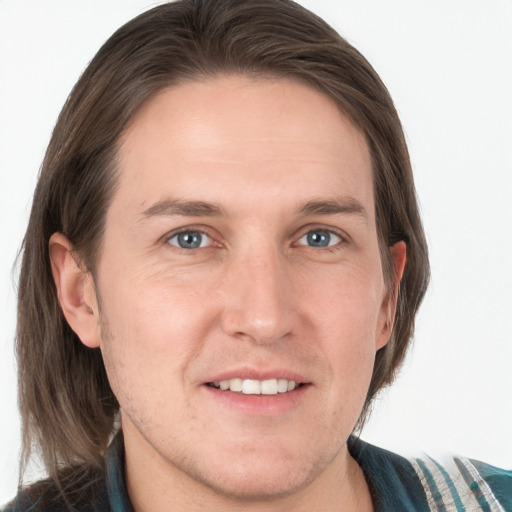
345,302
345,313
159,308
154,327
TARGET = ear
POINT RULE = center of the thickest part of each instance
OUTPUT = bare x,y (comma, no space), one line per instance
388,308
75,290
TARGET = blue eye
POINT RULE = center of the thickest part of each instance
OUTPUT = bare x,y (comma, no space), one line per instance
190,240
320,238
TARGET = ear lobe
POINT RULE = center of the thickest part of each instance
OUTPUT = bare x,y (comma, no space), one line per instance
75,290
388,310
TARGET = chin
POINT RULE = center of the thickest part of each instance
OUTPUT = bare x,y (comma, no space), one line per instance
265,484
262,476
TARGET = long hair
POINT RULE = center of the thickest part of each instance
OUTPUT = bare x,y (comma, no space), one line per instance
67,406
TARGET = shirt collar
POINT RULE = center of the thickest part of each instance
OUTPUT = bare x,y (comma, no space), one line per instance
391,478
116,484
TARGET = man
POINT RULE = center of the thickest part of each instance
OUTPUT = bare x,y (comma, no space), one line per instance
222,268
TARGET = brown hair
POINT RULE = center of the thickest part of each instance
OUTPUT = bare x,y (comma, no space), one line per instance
68,409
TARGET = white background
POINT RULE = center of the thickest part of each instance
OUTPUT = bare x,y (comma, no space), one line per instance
448,65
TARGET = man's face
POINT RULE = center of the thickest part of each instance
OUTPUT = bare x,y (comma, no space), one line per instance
240,250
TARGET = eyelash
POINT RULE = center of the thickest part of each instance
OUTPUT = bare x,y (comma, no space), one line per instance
328,232
189,231
341,239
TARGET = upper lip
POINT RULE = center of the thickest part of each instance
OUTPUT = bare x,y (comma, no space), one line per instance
246,372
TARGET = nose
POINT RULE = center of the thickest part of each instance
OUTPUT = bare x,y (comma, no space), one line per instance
259,304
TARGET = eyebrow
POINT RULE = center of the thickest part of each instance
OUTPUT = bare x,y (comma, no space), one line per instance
346,205
170,207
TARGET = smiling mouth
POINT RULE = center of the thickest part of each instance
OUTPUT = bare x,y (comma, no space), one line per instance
256,387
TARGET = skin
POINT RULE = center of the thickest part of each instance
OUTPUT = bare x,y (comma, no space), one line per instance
257,296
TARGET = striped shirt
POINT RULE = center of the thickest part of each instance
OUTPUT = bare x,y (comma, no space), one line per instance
462,484
422,484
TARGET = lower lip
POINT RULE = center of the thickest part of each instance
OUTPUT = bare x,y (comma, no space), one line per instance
259,405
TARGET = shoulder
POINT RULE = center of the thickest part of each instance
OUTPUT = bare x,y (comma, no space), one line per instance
424,484
84,491
391,478
459,483
499,481
81,488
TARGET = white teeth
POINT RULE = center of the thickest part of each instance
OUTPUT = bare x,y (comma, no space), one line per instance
269,387
282,385
235,385
256,387
251,387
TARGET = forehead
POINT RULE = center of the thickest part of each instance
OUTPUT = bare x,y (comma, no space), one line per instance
260,135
